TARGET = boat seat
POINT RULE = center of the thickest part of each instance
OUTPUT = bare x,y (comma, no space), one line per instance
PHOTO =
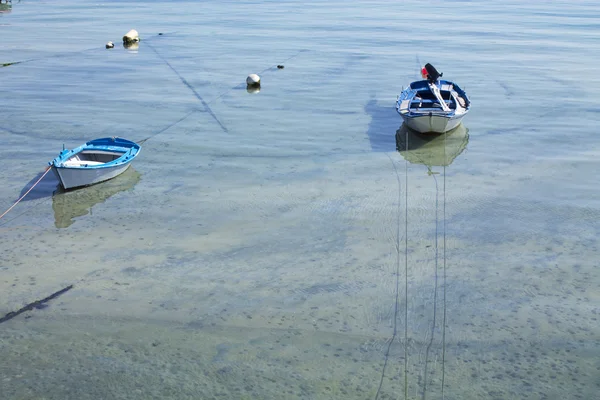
426,102
81,163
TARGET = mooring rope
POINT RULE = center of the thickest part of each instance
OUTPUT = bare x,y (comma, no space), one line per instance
206,104
57,55
444,278
189,86
397,292
435,290
48,168
207,107
166,128
271,68
36,204
406,273
68,54
26,193
436,275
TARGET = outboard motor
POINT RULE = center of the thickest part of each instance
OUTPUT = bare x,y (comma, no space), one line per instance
432,73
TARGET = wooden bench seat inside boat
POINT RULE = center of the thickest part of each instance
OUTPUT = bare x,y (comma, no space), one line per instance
81,163
90,158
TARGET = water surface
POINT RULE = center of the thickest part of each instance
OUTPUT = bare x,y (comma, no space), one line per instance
298,242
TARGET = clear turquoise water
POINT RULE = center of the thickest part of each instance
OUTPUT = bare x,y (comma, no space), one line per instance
275,244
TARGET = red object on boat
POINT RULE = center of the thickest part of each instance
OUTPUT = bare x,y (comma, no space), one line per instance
424,72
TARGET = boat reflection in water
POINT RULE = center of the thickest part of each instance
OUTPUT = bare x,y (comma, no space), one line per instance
5,6
132,46
432,150
76,203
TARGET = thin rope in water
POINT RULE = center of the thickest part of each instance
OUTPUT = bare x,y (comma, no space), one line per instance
271,68
397,294
406,273
210,102
167,127
68,54
36,204
444,269
435,290
199,97
48,169
57,55
143,140
436,272
26,193
189,86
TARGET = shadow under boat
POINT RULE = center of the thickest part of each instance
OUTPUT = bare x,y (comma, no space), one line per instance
432,150
384,120
45,188
70,204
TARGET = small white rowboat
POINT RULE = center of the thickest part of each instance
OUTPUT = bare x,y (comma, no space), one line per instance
432,105
96,161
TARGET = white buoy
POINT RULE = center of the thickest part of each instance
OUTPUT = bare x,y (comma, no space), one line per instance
131,37
253,80
110,45
253,89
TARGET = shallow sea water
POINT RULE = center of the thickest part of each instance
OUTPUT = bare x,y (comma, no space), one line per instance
277,244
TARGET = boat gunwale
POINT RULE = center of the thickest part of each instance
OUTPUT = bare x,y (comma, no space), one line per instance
128,150
422,85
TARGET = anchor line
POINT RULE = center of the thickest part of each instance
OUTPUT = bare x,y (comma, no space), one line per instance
166,128
205,103
444,279
397,291
64,54
189,86
406,273
271,68
147,138
26,193
435,291
36,204
57,55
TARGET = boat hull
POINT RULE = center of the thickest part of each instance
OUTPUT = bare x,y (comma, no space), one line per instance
77,177
433,107
96,161
432,123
